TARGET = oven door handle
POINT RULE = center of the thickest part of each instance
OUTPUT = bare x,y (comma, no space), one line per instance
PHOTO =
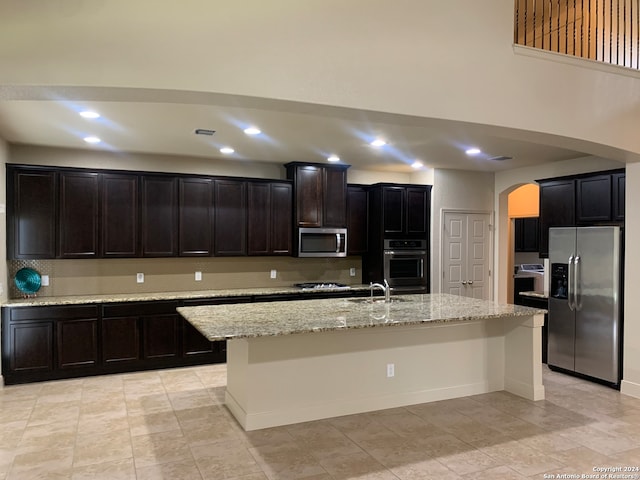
405,253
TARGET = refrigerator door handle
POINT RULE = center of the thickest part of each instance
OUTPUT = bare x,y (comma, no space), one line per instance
570,292
577,285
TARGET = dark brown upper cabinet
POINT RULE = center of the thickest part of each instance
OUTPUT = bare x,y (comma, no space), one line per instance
580,200
593,200
357,219
335,197
269,218
405,211
120,219
230,225
196,216
527,233
32,204
618,180
79,209
159,212
320,194
557,208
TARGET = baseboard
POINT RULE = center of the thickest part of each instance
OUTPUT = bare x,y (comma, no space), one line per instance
630,388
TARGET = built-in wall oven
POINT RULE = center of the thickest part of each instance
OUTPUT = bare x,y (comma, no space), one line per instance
405,265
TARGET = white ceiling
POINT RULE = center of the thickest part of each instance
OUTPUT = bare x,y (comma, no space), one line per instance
290,132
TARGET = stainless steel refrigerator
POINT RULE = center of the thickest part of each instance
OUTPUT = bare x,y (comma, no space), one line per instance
585,300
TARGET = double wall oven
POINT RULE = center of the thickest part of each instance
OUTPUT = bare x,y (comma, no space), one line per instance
405,265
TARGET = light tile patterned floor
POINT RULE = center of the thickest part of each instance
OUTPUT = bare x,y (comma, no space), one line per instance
171,424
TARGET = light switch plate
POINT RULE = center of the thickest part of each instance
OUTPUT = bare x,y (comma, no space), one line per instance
198,276
140,277
274,273
44,280
352,272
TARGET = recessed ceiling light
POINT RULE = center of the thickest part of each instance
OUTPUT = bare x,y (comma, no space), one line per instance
89,114
473,151
92,139
227,150
417,165
378,142
333,158
252,131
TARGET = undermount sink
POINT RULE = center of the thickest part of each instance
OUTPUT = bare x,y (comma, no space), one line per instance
375,300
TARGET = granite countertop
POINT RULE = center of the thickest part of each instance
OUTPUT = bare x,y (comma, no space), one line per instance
224,322
143,297
534,295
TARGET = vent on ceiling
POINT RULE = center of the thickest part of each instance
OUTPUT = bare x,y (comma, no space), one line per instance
204,131
500,158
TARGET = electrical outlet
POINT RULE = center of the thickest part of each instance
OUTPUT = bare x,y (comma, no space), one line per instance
198,276
140,277
391,370
274,274
44,280
352,272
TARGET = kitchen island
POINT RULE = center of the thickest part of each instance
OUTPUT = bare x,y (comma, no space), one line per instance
290,362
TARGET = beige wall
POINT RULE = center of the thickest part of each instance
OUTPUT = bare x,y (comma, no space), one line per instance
631,360
455,190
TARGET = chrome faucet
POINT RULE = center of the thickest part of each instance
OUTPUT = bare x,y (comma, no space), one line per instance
385,288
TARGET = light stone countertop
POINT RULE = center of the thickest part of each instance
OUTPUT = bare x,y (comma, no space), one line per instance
186,295
224,322
535,295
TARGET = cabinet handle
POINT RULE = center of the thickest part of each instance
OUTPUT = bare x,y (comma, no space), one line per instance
464,283
470,282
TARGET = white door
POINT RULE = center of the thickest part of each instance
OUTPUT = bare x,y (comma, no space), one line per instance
466,255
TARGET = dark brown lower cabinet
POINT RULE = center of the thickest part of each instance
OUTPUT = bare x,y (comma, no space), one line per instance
77,342
120,340
30,347
160,336
194,343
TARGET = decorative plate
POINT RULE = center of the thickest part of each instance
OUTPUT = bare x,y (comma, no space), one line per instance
28,281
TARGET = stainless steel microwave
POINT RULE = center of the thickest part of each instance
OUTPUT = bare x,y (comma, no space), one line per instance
322,242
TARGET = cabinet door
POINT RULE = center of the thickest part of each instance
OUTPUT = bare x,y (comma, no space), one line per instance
77,343
193,342
230,230
120,216
618,180
31,347
196,216
357,219
32,214
393,211
417,211
335,198
557,209
281,217
79,203
120,340
530,234
518,234
160,336
159,217
593,199
258,218
309,181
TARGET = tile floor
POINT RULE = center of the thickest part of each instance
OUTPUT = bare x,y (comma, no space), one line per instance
172,424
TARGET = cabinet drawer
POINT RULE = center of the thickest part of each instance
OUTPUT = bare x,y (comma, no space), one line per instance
55,313
139,308
216,301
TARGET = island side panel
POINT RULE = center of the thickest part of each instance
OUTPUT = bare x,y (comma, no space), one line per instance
523,356
288,379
